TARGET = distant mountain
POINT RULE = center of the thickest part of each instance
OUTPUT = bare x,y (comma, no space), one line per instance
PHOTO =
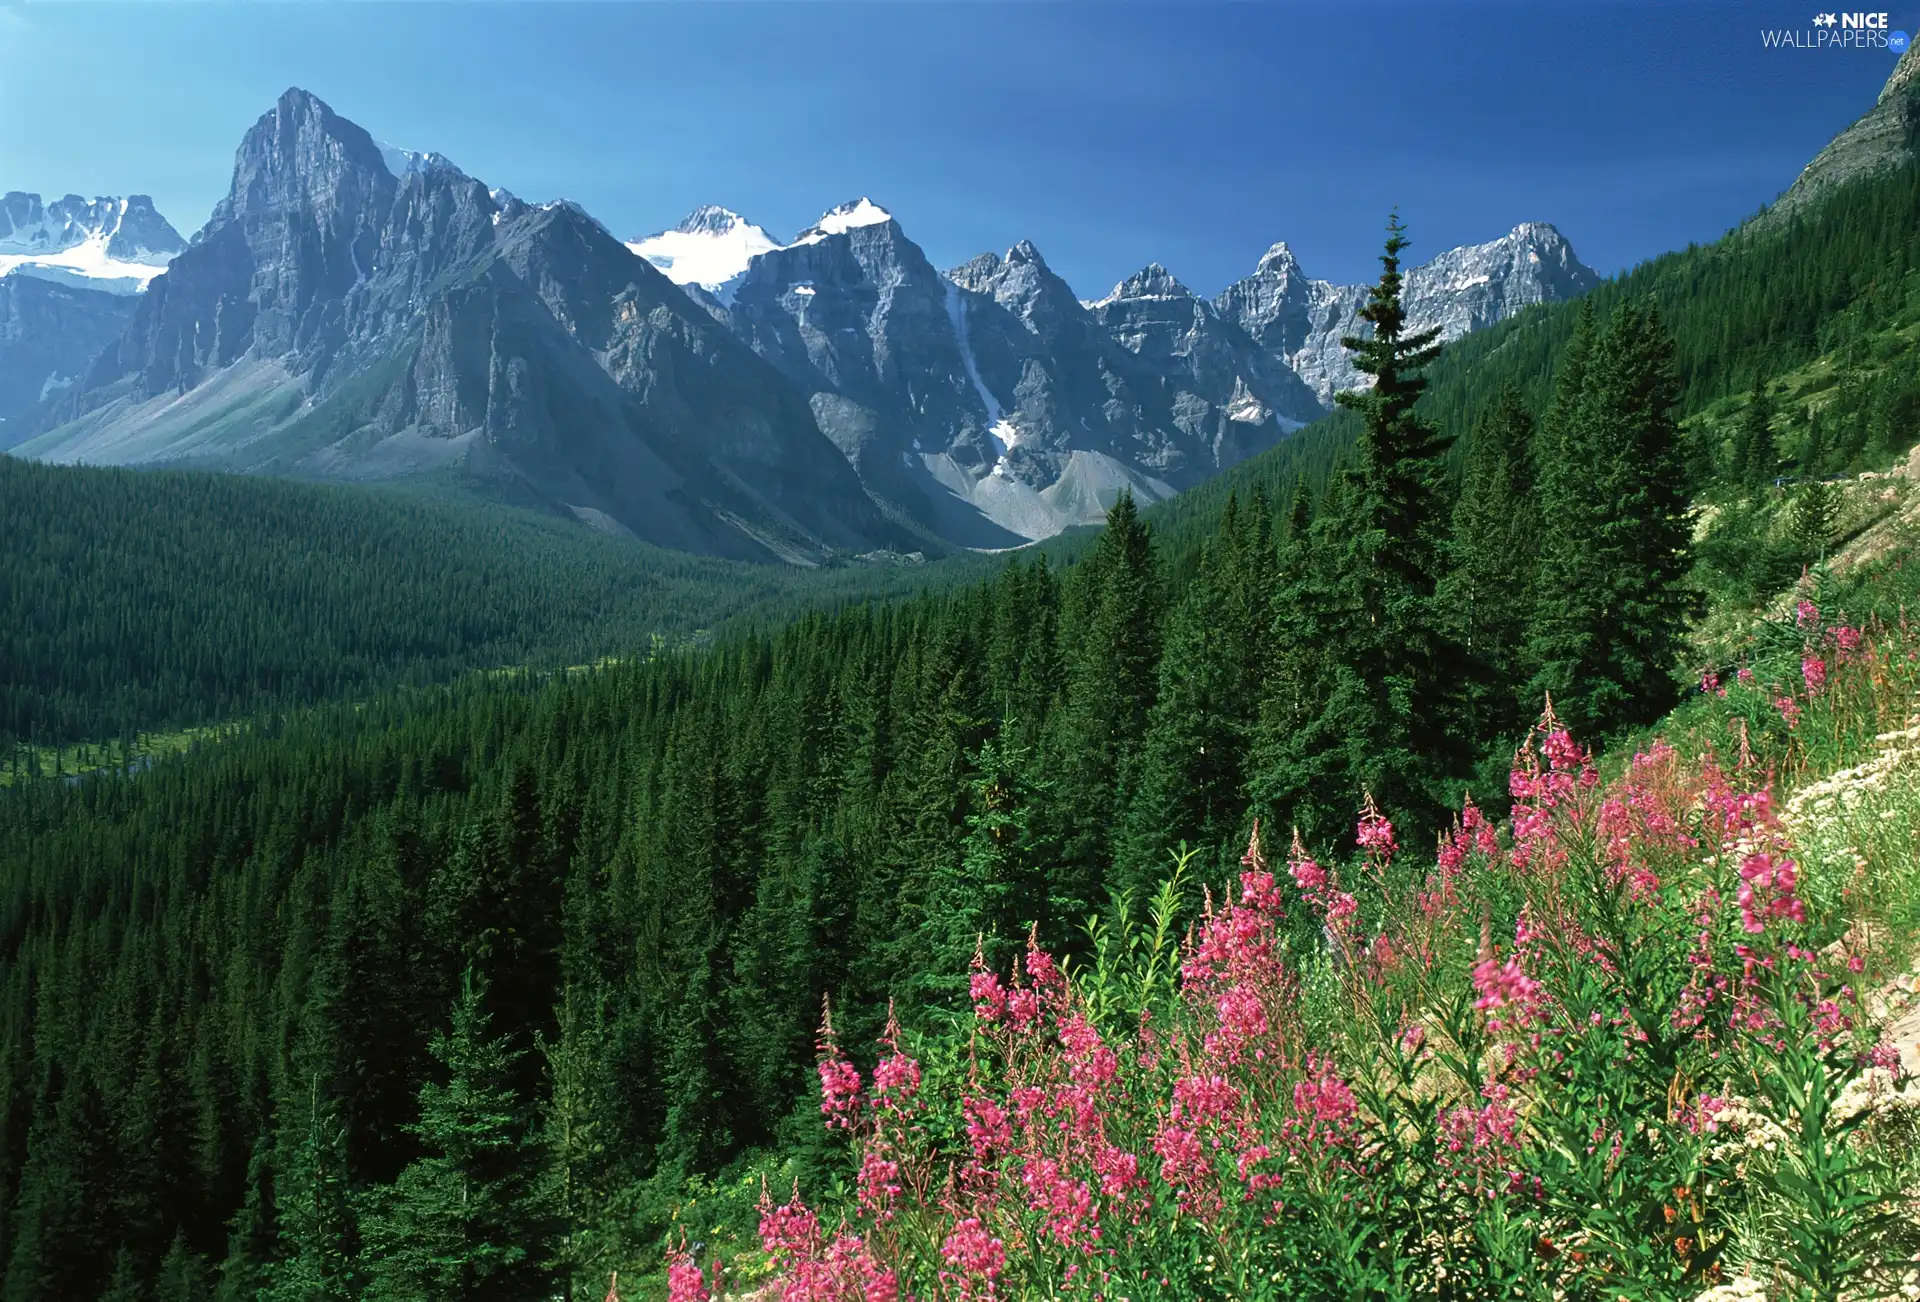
68,274
115,245
356,310
1302,321
50,332
711,248
336,320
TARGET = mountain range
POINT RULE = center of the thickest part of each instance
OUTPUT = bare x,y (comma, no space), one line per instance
355,311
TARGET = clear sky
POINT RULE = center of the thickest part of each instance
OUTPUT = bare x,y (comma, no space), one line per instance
1110,134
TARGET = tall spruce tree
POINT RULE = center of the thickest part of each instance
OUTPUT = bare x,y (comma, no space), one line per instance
471,1220
1755,459
1192,777
1110,632
1385,717
1611,604
319,1238
1487,595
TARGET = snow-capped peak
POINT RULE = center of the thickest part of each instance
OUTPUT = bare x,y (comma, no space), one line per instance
848,216
711,247
117,245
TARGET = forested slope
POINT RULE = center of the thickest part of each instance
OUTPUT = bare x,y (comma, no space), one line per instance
279,1013
136,601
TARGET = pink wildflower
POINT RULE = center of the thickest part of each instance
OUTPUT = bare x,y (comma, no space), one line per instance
1814,670
973,1255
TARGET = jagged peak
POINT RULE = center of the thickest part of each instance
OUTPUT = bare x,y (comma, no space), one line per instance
846,217
712,219
1279,260
405,162
1151,281
976,271
1025,253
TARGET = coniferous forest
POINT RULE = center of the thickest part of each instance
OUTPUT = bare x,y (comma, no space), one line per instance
471,990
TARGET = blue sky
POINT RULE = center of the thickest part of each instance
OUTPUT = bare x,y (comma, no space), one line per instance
1111,134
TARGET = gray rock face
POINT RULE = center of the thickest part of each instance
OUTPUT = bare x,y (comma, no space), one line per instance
1224,390
1888,136
49,333
1302,321
336,320
989,403
68,273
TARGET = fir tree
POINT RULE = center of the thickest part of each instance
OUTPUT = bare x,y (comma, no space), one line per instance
1191,786
1815,509
1488,591
470,1220
1755,461
1109,630
1387,698
318,1234
1611,604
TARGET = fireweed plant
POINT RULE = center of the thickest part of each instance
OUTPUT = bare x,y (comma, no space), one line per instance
1580,1054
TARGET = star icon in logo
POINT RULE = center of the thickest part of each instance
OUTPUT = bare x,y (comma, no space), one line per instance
1825,20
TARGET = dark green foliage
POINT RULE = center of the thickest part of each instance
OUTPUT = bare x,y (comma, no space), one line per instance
1811,519
1611,603
1381,712
1192,772
135,601
1755,459
1488,594
469,1220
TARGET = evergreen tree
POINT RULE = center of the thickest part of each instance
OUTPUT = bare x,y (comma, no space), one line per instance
1386,713
1611,605
318,1234
1192,779
1755,460
471,1220
1488,592
1109,632
1815,509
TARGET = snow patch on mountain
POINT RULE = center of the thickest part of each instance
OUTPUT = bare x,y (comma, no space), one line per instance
711,248
957,314
847,217
117,245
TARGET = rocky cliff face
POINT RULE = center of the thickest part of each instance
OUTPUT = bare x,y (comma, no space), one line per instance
1302,321
49,333
335,319
1887,136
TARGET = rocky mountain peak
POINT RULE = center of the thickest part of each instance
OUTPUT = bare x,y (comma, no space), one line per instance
711,219
1278,261
1151,281
405,162
977,273
115,245
1024,253
303,156
846,217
